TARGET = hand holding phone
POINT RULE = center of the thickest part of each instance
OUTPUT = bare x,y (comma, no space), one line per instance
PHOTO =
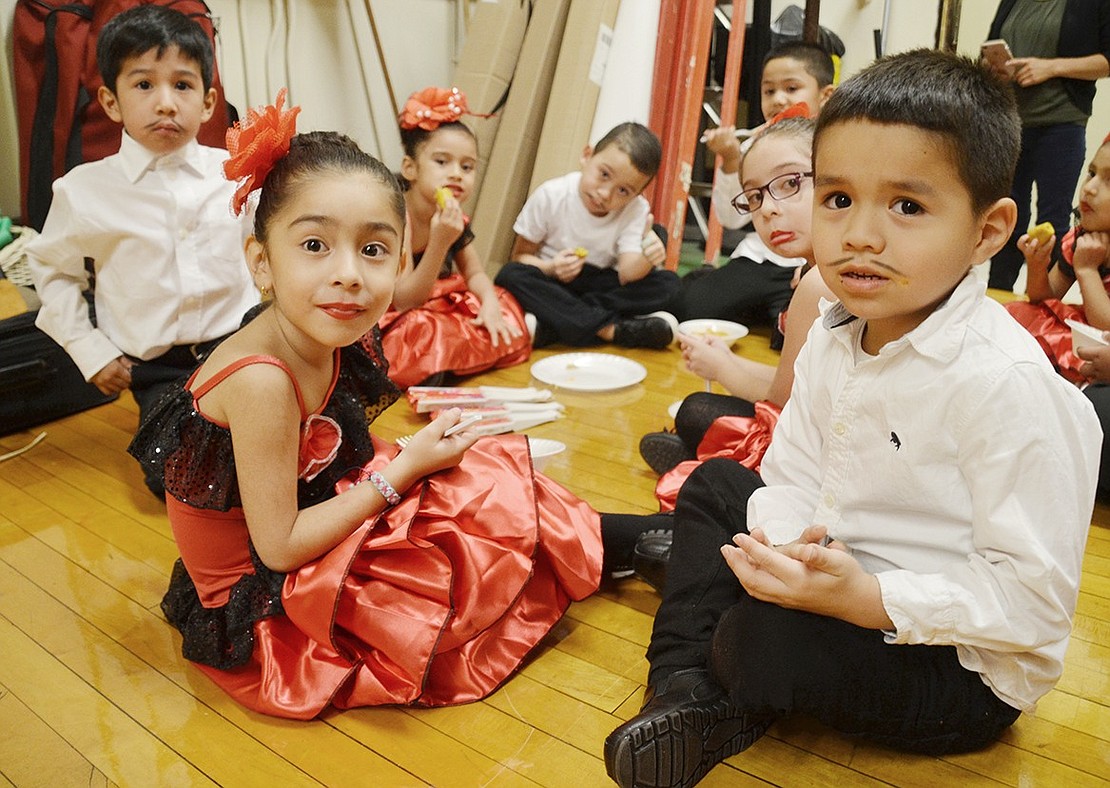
997,54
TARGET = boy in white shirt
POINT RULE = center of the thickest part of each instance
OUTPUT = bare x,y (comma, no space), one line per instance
585,262
154,219
910,570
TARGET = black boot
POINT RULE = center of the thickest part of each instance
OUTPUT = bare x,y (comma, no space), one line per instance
686,727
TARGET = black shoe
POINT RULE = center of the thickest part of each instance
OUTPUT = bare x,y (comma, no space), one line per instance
664,450
687,726
650,556
654,331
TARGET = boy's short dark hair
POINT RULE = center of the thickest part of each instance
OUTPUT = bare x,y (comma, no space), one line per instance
137,30
962,101
813,57
639,142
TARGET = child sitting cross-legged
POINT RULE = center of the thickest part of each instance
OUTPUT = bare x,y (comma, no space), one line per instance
319,566
585,262
447,317
906,567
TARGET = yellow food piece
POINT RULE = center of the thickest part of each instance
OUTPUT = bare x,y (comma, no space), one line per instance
581,251
442,193
1042,232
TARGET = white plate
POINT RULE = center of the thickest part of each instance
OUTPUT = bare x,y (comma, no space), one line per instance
1083,335
707,327
672,409
588,371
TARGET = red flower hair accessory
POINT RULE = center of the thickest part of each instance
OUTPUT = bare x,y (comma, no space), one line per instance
428,108
799,110
256,144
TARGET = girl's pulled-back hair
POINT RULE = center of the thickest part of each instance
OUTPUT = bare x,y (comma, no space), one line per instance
971,109
412,139
313,153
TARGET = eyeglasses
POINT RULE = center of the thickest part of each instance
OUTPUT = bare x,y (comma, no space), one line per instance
779,188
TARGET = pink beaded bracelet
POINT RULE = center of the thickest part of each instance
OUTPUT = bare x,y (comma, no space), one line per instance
385,488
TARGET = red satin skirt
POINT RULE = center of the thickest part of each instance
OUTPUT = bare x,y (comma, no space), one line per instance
436,601
741,438
440,335
1045,321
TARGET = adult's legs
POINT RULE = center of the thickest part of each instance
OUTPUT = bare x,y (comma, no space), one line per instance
1052,158
917,698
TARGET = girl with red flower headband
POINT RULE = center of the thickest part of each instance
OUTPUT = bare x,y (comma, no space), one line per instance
320,566
447,316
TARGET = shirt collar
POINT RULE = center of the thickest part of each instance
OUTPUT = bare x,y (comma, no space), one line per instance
941,334
752,247
137,160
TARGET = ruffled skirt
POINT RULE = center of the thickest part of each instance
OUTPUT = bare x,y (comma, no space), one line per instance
440,335
436,601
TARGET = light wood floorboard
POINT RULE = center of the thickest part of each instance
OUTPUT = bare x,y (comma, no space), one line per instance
94,691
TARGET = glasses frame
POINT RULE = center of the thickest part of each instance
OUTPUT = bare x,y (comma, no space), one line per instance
770,188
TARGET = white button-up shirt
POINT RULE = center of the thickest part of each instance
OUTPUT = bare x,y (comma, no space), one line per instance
959,468
166,249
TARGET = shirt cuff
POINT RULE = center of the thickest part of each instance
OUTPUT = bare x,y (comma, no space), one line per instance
92,352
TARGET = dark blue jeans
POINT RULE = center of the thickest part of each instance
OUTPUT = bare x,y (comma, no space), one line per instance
1051,157
770,659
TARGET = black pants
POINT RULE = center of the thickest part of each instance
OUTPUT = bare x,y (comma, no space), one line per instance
699,410
571,313
1099,395
768,658
740,290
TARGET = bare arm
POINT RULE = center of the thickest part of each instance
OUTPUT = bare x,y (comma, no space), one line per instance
1030,71
1090,253
479,283
804,309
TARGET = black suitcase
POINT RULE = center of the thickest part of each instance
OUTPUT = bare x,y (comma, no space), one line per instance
38,380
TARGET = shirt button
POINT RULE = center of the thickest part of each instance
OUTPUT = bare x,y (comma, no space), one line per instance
839,428
830,500
182,233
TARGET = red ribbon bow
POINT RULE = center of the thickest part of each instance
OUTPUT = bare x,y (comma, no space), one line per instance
799,110
256,144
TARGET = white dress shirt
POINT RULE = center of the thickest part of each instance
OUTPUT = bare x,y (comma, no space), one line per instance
959,468
556,218
166,249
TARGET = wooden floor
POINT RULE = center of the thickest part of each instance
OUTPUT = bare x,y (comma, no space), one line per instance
94,691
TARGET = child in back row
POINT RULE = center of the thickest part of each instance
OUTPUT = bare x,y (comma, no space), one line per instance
320,566
1083,256
154,219
585,262
907,567
756,283
442,321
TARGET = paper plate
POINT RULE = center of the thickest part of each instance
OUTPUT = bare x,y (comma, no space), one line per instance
710,327
588,371
1083,335
672,409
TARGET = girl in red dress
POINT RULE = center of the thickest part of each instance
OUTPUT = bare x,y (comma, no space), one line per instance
1083,258
320,566
447,316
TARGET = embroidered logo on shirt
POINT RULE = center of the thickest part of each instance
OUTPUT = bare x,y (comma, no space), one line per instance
894,439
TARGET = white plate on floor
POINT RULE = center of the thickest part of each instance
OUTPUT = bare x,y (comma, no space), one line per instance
709,327
543,449
588,371
672,409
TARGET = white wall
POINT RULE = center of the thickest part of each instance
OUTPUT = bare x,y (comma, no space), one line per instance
323,50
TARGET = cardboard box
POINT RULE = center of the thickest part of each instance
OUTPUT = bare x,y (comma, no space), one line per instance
485,70
505,187
583,57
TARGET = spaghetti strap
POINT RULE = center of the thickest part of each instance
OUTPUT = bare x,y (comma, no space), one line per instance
247,361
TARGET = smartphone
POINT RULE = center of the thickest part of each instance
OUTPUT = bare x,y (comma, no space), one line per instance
997,53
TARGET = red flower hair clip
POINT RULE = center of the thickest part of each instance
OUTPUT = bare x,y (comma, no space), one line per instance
428,108
256,144
799,110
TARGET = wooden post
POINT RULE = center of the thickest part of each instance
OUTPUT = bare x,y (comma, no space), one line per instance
811,27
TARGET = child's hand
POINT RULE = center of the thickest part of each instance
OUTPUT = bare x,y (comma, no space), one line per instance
429,451
448,222
1090,250
567,265
489,316
114,377
1036,253
707,357
654,250
807,576
1096,366
723,143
